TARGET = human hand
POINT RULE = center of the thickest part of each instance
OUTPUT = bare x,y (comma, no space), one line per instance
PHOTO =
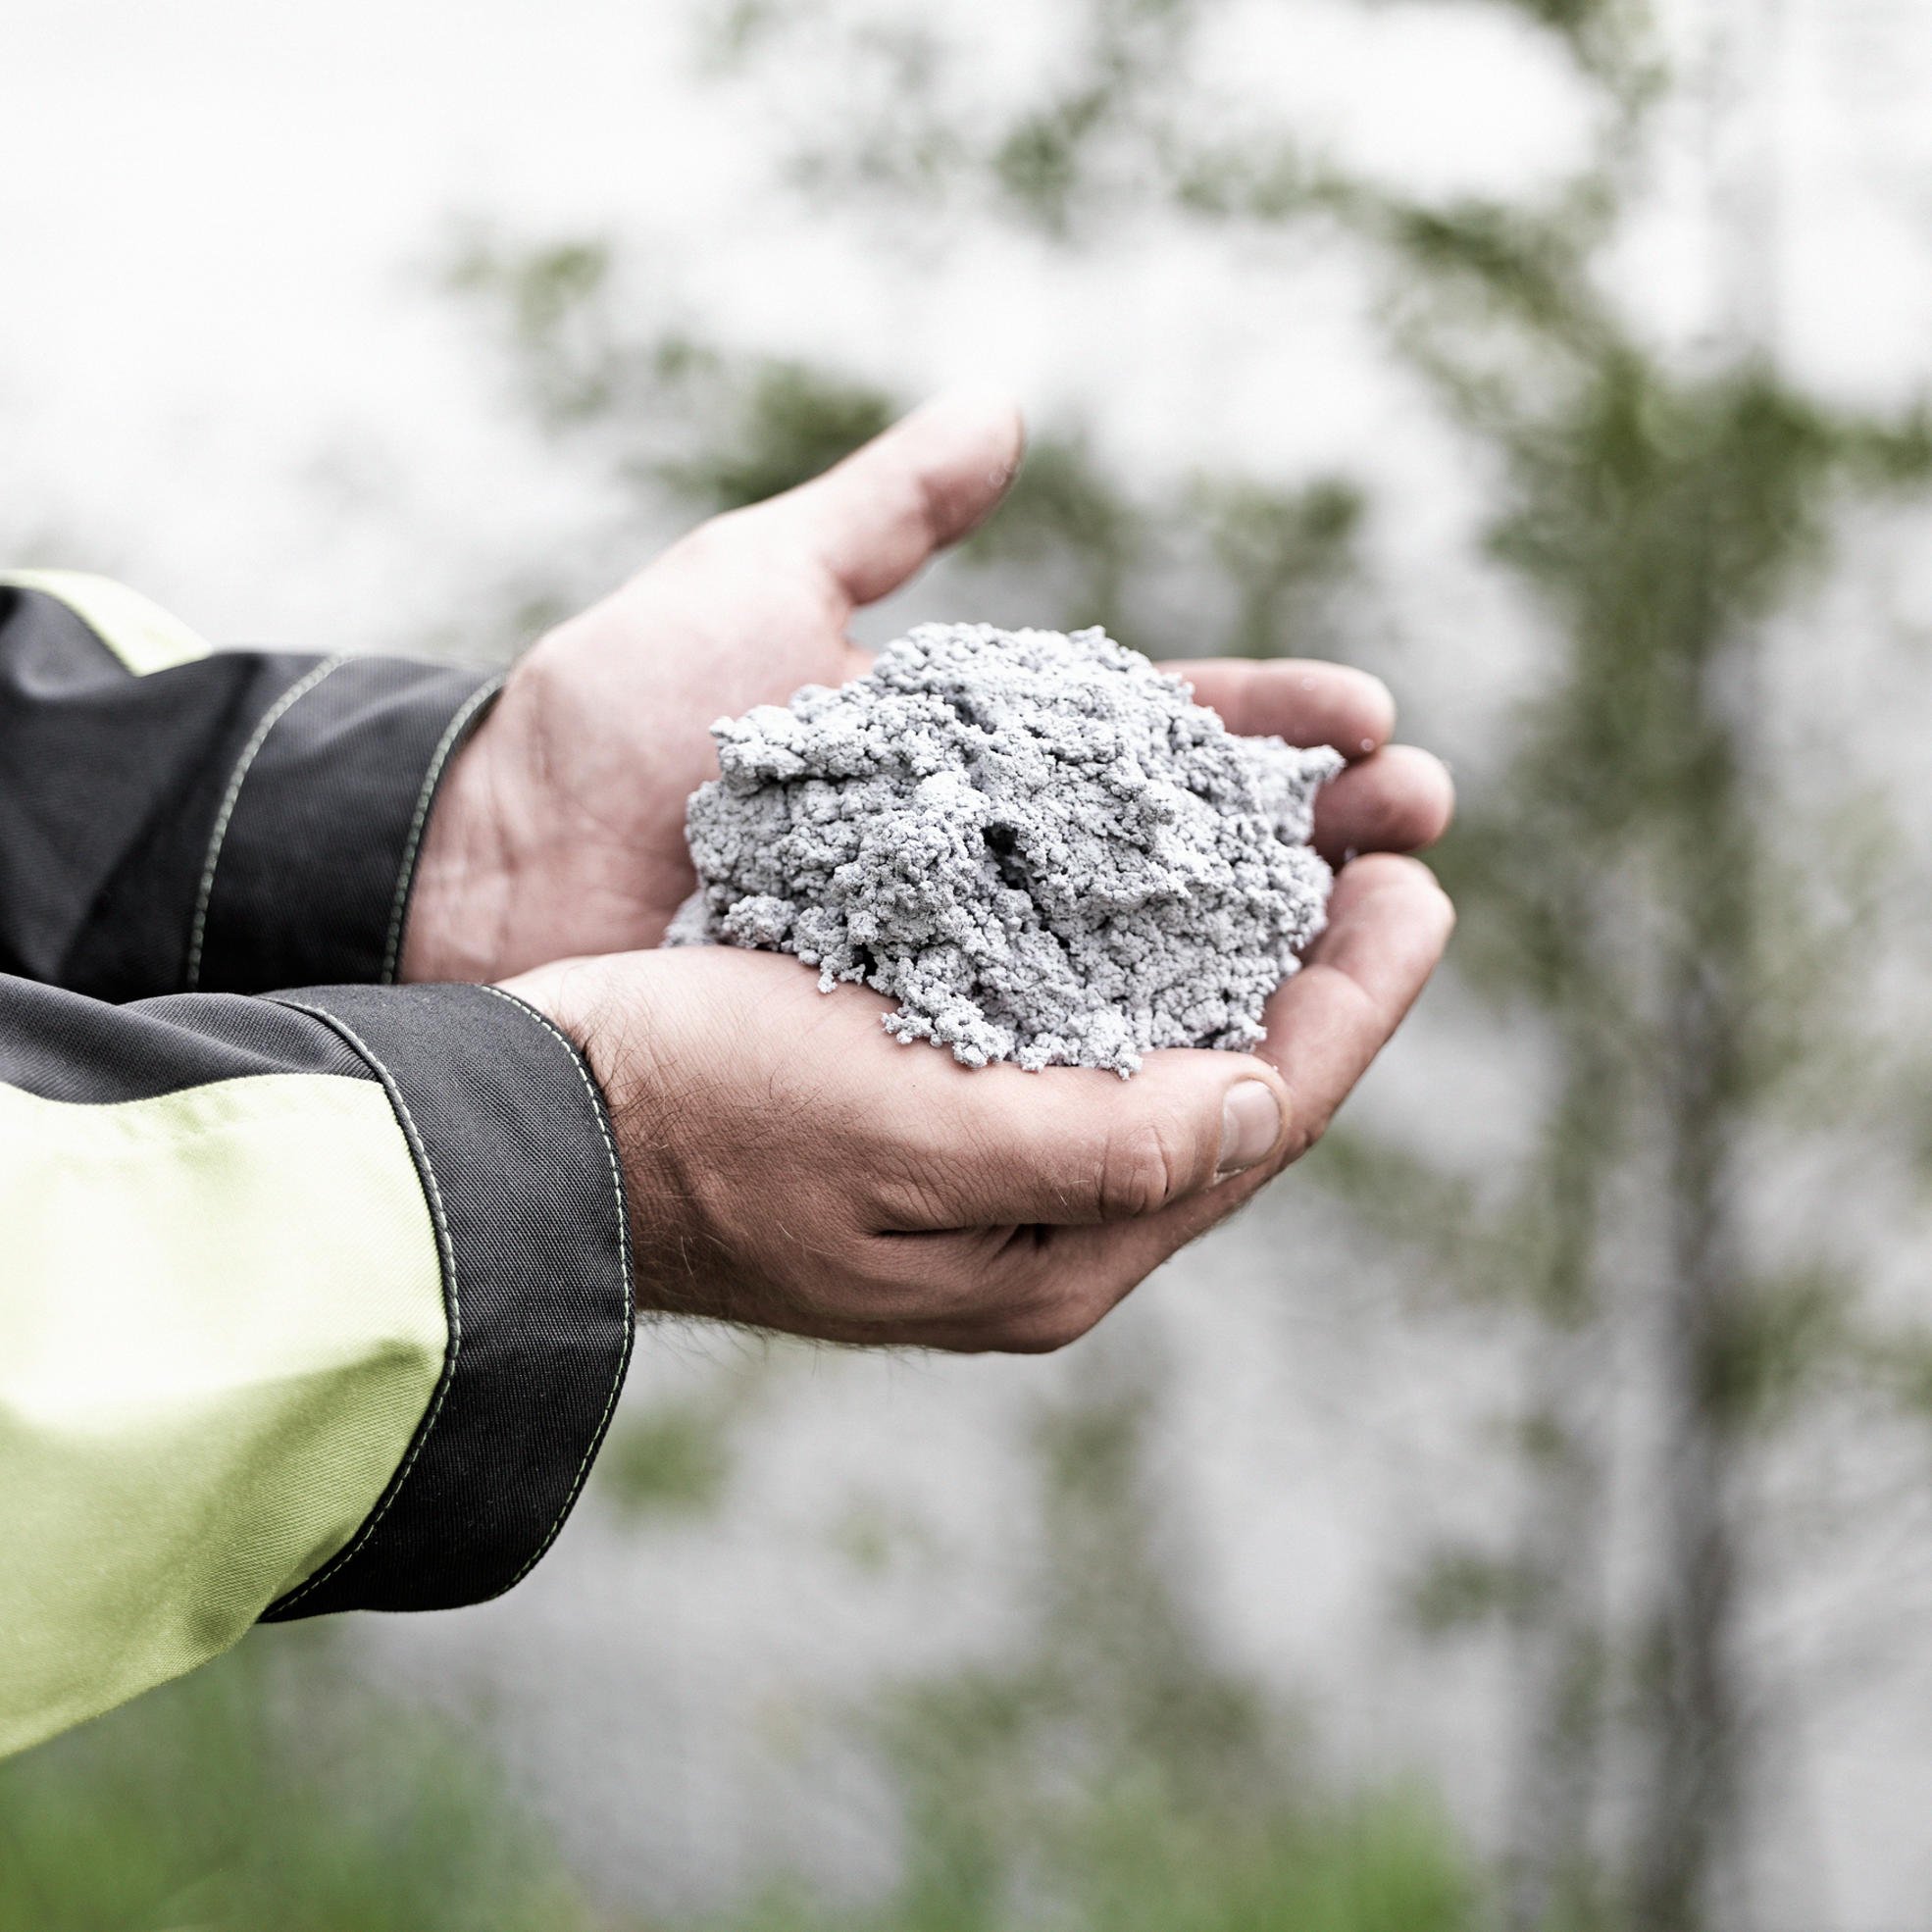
560,828
791,1166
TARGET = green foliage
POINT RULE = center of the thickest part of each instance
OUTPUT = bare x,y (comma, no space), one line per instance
780,423
248,1797
1388,1864
1068,518
1475,1252
551,301
1382,1864
1456,1587
1108,1775
1037,163
1283,553
1052,161
676,1460
268,1790
1016,1774
1075,540
1606,38
1777,1343
1117,1650
718,431
1116,125
675,1456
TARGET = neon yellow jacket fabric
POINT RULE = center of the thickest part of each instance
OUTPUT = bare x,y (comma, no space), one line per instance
313,1289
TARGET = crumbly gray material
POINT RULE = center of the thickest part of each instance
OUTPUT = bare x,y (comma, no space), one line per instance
1036,843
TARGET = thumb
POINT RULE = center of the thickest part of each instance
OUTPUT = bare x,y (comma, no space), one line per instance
875,518
1075,1146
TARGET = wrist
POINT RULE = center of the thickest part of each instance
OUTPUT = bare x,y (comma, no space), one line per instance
526,857
463,905
617,1013
606,1023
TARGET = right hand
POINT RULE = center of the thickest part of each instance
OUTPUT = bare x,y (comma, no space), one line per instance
791,1165
560,826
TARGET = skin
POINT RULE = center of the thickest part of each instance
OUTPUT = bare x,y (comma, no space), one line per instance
789,1164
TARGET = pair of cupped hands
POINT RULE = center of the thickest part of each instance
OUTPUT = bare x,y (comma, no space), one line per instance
787,1163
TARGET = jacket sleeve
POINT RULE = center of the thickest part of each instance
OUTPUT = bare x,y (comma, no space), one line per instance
313,1303
176,818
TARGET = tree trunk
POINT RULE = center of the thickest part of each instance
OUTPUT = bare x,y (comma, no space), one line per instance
1557,1758
1691,1825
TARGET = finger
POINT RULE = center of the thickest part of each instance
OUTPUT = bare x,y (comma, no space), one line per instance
1301,699
1020,1289
1399,800
1035,1289
1388,922
1076,1145
875,518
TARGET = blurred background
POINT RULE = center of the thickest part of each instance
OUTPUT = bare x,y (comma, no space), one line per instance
1523,1517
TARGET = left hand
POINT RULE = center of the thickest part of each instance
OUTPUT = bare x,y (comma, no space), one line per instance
559,830
788,1164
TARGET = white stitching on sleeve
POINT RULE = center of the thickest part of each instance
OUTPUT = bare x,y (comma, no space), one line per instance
624,1253
451,738
249,751
446,1251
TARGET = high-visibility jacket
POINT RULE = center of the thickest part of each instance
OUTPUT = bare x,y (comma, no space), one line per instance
313,1289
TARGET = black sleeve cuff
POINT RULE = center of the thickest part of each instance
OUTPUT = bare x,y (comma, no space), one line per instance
312,854
520,1169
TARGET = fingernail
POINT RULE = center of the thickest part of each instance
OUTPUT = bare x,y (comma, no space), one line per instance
1251,1125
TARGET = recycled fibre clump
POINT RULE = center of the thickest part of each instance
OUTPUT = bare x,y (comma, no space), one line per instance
1036,843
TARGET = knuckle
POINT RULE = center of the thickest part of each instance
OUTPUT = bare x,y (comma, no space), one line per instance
1304,1135
1144,1167
907,1194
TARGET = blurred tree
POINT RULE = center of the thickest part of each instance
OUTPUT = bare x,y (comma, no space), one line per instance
268,1790
1648,888
1106,1776
1644,893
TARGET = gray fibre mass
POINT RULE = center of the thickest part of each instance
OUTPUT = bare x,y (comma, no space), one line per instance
1038,844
